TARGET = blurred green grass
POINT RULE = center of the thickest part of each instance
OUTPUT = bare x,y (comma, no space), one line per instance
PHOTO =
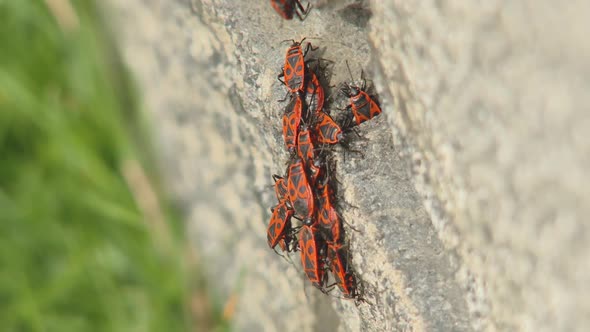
86,241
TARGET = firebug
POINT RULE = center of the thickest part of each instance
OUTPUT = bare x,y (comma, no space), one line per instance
327,216
314,93
327,131
312,255
279,227
306,151
305,148
294,69
300,193
291,120
280,187
362,105
342,273
286,8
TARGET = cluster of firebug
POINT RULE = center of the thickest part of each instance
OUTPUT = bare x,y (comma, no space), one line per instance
306,192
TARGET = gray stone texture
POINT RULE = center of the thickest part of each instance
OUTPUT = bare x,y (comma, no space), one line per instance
471,199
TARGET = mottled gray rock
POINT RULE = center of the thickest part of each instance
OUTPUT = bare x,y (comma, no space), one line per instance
471,197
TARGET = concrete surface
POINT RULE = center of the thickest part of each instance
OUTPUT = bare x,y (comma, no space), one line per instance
471,199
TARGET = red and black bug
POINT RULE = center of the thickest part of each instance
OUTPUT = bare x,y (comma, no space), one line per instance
327,131
291,120
313,251
327,216
279,227
280,187
300,193
305,148
314,93
362,105
307,152
294,69
286,8
343,274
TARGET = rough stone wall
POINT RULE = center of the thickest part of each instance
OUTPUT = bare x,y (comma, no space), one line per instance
471,199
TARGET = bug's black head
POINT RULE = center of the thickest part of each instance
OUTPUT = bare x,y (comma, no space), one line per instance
350,90
354,90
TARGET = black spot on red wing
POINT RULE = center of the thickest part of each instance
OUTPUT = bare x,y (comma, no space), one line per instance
303,190
302,148
293,174
324,216
301,208
281,223
303,260
365,110
327,132
359,100
295,60
309,263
